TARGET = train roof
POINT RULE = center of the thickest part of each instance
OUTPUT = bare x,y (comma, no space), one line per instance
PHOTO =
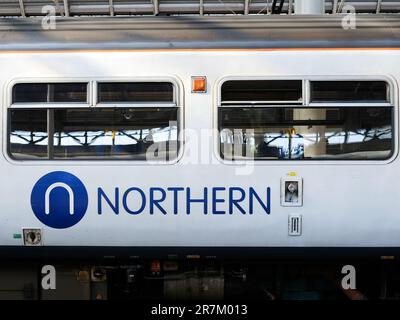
195,32
27,8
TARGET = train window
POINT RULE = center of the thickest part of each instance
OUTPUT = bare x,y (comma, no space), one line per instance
135,92
301,133
261,92
28,137
97,133
349,91
108,133
50,93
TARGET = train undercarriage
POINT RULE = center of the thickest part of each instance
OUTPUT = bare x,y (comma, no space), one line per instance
195,278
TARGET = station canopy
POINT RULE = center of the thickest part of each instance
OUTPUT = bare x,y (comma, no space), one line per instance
26,8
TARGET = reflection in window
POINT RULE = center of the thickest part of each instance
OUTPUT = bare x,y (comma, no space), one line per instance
50,92
28,134
109,92
115,133
284,133
349,91
105,134
261,91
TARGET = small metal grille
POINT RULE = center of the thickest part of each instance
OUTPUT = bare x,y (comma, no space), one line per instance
295,225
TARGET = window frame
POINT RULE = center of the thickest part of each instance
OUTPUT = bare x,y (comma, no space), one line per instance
352,104
232,104
50,105
123,104
92,94
393,102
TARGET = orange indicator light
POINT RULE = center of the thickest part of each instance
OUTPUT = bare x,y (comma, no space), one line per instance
199,84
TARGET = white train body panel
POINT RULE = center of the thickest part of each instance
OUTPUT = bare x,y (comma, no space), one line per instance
345,204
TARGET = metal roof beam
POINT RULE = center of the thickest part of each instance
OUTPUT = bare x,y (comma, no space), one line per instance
310,6
378,6
341,6
290,7
111,3
156,7
22,8
66,8
334,6
246,7
182,7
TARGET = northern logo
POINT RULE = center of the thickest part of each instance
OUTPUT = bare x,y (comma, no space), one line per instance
59,200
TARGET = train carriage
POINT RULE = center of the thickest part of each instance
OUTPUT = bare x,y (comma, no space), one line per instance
187,136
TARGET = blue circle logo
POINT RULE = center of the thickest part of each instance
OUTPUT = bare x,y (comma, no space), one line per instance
59,200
